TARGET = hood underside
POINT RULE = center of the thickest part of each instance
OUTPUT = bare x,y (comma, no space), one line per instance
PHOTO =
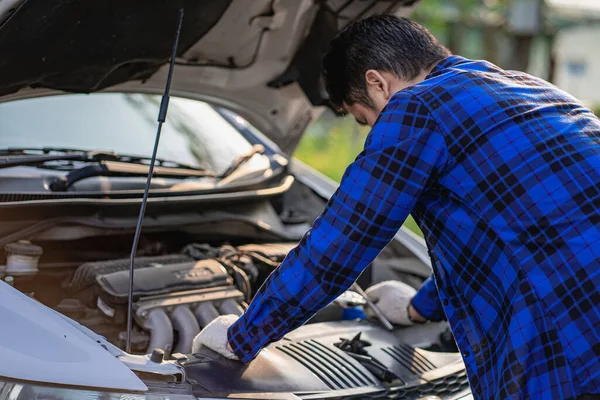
261,58
84,46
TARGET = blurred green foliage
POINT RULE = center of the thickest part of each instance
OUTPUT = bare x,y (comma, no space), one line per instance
331,144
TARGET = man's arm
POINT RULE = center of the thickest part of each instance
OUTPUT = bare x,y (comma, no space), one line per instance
427,303
377,192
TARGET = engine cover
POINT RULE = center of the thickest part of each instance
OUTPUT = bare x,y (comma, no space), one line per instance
162,279
308,361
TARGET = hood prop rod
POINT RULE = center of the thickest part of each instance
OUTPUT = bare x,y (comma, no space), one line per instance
162,116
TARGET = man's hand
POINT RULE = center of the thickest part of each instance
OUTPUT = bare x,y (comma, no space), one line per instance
214,336
393,299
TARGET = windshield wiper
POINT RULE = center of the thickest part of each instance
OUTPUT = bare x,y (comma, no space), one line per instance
237,163
19,157
118,168
104,163
14,157
128,166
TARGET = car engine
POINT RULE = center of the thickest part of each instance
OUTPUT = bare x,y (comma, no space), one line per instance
175,295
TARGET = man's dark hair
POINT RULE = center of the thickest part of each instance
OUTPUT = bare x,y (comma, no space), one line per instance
382,42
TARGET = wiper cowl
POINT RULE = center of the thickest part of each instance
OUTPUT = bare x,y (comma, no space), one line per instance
119,168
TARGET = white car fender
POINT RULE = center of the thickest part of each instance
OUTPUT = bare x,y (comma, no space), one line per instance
37,344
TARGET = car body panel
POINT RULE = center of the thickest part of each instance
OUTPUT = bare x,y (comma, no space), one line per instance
36,344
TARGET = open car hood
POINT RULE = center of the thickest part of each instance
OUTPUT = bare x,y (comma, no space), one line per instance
260,58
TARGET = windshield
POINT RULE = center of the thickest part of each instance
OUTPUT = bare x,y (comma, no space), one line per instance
194,133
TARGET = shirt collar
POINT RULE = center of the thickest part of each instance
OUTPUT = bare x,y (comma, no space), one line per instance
445,63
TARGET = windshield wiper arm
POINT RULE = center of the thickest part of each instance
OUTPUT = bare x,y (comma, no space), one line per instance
256,149
14,157
9,151
118,168
7,160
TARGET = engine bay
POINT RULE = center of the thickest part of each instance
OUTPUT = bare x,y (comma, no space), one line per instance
176,294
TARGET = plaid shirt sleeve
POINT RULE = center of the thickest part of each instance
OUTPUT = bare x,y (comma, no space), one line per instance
427,301
377,192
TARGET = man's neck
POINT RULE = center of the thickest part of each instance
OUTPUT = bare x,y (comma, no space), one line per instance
400,85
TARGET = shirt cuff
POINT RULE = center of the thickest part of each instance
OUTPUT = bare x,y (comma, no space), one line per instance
427,302
243,345
247,339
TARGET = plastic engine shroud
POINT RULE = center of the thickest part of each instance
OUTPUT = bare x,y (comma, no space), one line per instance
307,361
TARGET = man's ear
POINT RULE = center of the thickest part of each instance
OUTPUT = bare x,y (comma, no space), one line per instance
377,84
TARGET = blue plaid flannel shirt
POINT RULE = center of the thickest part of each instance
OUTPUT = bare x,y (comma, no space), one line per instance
502,172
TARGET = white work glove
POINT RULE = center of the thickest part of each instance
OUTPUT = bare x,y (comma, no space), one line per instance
214,336
392,298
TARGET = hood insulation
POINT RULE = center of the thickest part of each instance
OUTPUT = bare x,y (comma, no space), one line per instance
85,45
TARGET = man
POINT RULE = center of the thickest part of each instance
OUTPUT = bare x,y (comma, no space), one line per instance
502,172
